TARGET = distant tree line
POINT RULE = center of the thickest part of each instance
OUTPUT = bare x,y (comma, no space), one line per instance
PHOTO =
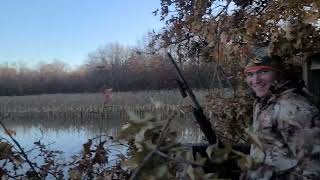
113,66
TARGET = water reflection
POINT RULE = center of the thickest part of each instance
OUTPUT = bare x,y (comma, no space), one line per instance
69,135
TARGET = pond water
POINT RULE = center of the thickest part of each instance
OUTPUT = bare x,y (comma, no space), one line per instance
70,135
69,140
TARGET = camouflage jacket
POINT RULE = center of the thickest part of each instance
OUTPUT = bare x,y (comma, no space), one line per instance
287,127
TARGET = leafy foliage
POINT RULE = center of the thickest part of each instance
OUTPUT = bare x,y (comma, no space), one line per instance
226,31
231,115
156,154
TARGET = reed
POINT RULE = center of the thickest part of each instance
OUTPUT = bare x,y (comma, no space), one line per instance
91,105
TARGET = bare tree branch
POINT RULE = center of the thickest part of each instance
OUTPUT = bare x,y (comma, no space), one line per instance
18,145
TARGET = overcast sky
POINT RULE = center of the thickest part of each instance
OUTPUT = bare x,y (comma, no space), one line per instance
67,30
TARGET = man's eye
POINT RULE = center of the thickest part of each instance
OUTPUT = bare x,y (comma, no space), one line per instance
264,72
249,74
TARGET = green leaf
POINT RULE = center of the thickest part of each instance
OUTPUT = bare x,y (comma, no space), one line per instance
149,144
199,159
218,155
210,149
162,171
130,130
245,162
135,119
191,173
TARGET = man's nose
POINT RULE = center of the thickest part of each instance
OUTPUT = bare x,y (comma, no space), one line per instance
256,78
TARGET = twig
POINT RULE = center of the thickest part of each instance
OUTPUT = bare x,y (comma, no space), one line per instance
178,160
214,75
228,81
164,132
90,166
35,148
48,172
18,145
145,160
114,150
6,172
224,9
165,148
119,144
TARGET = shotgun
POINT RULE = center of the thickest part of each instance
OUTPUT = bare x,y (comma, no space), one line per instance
197,110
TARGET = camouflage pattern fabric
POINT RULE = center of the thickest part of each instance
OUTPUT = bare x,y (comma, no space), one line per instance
287,127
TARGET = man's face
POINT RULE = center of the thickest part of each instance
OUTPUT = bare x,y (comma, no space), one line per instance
261,80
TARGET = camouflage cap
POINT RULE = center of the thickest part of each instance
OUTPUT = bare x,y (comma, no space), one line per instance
273,62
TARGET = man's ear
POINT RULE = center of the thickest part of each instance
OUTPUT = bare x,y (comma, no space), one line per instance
280,76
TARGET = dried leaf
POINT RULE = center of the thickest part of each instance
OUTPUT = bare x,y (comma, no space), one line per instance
32,174
101,156
74,174
311,18
16,160
105,177
5,150
2,174
87,149
11,132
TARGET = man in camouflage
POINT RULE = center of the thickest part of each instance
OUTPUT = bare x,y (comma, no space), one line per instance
286,125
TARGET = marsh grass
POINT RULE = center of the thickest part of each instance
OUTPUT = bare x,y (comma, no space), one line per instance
91,105
62,111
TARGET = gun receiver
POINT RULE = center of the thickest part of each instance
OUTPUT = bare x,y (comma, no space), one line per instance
202,120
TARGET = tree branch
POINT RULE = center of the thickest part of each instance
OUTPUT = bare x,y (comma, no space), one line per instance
19,146
225,9
145,160
178,160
